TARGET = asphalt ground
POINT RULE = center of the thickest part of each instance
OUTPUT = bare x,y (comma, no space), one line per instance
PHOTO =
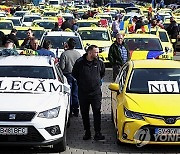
75,144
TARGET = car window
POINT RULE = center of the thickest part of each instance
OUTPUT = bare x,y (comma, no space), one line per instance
163,36
31,19
46,25
121,78
140,79
87,24
27,72
58,41
143,44
59,73
94,35
6,25
21,34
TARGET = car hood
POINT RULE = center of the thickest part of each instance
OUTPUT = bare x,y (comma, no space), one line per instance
157,104
29,94
29,102
98,43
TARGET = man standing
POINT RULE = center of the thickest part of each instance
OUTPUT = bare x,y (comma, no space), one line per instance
12,36
9,49
173,30
27,41
45,50
115,26
66,63
88,71
118,55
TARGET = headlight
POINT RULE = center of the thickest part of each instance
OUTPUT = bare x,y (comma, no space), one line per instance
105,49
133,115
52,113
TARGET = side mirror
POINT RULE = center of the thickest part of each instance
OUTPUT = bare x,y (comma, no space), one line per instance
173,40
114,87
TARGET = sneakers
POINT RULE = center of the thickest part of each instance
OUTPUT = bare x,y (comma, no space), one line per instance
98,136
87,135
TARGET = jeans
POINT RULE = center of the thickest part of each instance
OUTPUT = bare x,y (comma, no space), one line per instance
74,93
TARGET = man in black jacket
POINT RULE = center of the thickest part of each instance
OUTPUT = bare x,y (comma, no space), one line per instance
88,71
12,36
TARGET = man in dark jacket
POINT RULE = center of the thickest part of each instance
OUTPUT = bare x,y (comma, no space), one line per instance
118,55
12,36
66,24
173,30
88,71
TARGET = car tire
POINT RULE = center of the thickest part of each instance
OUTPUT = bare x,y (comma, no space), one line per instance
60,146
118,142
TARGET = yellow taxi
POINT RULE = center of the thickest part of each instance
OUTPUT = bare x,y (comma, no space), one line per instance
21,33
6,26
146,46
99,36
164,37
145,102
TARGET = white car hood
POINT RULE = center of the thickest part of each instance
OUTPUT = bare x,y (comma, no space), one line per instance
28,94
29,102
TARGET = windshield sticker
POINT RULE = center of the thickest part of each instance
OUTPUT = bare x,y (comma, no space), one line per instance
29,85
163,87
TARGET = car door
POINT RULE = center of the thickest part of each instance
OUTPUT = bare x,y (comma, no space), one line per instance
116,97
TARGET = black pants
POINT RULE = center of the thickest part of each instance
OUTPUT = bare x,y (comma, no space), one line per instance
116,69
96,108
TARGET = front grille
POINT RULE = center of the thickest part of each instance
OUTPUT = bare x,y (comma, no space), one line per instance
158,139
32,136
16,116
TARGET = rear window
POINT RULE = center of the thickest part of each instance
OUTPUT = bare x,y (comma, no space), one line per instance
41,72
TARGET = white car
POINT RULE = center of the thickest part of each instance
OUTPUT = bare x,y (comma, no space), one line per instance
34,102
58,38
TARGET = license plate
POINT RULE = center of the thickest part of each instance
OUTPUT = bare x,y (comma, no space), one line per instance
167,131
13,131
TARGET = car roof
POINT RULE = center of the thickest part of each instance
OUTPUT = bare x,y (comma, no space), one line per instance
140,36
23,60
93,28
61,33
26,28
154,63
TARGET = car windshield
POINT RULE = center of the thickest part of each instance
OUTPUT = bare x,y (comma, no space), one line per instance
58,41
94,35
42,72
22,34
19,14
87,24
6,25
53,2
154,80
16,22
46,25
134,10
31,19
143,44
50,14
